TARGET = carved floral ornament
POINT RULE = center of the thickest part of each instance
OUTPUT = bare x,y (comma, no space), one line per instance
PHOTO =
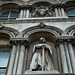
42,11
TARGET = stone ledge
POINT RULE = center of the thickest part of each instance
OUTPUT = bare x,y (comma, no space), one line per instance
41,72
34,20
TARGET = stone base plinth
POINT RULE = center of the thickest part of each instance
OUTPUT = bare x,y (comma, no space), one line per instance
41,72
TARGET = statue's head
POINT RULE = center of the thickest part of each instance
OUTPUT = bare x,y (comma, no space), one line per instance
42,40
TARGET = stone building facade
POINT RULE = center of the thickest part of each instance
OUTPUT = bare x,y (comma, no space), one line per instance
24,22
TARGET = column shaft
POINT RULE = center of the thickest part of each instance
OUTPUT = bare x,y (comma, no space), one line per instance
28,13
11,62
24,15
72,56
16,60
21,60
59,59
21,14
63,59
63,12
59,12
56,12
68,59
26,54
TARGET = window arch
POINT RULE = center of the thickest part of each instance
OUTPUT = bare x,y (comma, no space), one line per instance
71,12
9,14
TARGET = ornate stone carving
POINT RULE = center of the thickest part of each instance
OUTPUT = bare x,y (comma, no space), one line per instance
63,39
41,60
42,11
20,41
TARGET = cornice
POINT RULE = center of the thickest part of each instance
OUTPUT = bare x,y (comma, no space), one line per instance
35,20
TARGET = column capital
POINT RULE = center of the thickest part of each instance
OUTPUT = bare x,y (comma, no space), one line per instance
20,41
67,39
59,6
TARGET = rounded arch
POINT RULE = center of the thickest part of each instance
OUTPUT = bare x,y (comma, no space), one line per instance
66,1
9,6
31,2
70,30
10,31
10,2
69,3
36,30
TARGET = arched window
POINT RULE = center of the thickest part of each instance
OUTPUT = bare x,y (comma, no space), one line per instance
71,12
9,14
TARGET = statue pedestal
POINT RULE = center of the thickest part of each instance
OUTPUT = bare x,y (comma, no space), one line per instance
41,72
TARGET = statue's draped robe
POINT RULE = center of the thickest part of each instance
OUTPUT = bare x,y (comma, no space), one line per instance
37,60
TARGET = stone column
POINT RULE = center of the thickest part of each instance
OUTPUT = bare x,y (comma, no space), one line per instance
56,12
25,57
59,9
59,59
21,59
28,13
16,59
63,58
12,58
63,12
68,58
21,13
24,15
72,56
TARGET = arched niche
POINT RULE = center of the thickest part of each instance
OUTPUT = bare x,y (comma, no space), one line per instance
34,34
50,40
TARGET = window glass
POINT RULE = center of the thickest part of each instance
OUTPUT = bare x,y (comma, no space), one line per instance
9,14
5,14
4,56
14,14
2,71
71,12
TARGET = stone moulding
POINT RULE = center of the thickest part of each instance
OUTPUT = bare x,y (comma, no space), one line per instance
35,20
6,2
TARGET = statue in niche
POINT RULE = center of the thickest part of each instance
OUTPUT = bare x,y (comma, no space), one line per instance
42,11
41,60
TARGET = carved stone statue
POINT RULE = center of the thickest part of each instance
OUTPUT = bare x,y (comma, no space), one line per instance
41,60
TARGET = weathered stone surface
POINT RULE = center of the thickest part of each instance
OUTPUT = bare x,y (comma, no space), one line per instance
41,72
